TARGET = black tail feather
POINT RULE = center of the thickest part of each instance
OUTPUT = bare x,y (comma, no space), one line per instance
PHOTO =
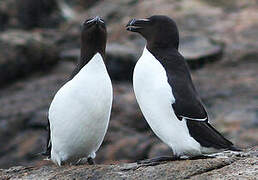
48,145
234,148
208,136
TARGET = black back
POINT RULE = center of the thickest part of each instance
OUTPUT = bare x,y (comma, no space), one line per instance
188,103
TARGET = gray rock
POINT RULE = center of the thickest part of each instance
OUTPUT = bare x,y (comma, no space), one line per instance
199,50
24,52
81,3
28,14
70,54
23,115
112,12
121,60
227,167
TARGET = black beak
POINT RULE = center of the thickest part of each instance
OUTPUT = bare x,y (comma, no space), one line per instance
96,20
135,24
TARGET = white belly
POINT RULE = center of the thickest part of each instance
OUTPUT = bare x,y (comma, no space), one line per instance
155,98
80,112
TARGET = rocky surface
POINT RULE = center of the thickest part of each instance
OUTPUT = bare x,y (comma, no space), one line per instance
25,52
228,87
29,14
199,50
80,4
242,165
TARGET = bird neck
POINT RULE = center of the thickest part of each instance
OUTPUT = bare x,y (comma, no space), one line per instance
157,46
163,43
85,57
169,56
159,50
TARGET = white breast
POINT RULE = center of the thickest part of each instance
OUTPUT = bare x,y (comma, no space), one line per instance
80,112
155,98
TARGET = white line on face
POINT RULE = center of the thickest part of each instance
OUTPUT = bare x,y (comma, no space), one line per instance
146,20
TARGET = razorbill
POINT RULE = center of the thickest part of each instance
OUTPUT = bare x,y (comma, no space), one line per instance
166,94
80,111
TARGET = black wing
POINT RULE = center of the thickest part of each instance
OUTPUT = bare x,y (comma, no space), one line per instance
188,104
208,136
48,145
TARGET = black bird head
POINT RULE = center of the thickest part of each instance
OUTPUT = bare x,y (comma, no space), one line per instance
159,31
93,37
93,40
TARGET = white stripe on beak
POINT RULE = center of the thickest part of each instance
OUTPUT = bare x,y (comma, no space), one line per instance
146,20
90,21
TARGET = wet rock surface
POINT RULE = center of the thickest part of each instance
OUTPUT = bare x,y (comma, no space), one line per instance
237,166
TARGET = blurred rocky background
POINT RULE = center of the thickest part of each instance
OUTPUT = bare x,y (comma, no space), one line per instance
39,46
